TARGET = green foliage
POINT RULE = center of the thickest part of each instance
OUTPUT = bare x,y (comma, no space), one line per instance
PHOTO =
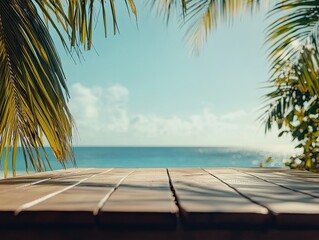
293,37
295,111
293,105
32,87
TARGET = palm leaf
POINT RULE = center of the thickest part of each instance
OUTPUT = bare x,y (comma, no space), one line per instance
204,16
200,17
32,87
77,18
289,91
291,34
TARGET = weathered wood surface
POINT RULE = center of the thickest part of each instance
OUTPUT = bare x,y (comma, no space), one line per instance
143,198
175,203
205,201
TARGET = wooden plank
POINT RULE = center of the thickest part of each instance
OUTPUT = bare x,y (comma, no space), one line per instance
78,205
289,208
205,201
306,176
143,199
280,172
11,184
15,201
262,170
307,185
212,199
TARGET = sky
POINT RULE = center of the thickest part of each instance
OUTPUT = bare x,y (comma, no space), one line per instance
143,87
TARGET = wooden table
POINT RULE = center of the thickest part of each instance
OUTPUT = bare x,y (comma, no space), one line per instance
197,203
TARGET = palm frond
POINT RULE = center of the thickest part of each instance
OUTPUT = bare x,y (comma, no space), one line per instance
201,17
166,8
204,16
291,34
32,86
289,92
77,16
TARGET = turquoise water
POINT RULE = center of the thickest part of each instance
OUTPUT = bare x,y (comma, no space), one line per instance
162,157
171,157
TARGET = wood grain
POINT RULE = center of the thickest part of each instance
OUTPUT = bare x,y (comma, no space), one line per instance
143,199
288,207
181,201
206,201
12,201
77,205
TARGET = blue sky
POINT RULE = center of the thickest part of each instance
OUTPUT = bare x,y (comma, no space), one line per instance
143,87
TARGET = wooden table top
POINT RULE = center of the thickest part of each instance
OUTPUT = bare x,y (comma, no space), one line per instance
172,200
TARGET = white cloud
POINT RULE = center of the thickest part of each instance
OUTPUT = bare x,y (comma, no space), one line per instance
204,122
115,113
234,115
100,110
117,94
84,103
103,118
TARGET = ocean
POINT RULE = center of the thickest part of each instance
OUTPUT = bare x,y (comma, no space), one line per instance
164,157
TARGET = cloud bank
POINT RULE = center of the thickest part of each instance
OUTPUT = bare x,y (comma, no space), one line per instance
103,118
